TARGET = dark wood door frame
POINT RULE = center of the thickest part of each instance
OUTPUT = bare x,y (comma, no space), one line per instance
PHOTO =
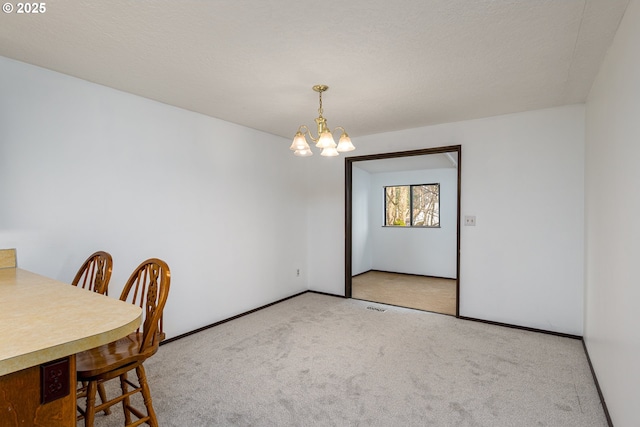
349,161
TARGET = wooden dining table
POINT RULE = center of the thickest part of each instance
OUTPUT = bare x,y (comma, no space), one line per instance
43,324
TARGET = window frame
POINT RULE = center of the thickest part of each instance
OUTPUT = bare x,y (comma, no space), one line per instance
410,225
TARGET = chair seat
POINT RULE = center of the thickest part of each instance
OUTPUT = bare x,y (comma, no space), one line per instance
125,352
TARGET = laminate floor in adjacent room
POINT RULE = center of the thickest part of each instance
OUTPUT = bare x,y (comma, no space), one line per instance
406,290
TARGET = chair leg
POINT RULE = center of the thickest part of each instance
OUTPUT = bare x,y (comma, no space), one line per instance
146,394
125,402
82,390
90,411
103,396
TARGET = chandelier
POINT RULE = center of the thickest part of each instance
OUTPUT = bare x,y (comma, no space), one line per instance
325,139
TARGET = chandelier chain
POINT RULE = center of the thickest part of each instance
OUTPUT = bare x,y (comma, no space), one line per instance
320,109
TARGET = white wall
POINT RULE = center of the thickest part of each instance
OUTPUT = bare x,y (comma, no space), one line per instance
612,291
424,251
85,168
523,178
361,260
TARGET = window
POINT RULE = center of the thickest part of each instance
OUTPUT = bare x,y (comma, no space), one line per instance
412,205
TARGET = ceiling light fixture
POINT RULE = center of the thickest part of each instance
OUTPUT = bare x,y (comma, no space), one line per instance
324,140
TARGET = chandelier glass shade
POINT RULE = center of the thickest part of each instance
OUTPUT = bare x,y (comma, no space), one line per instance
324,140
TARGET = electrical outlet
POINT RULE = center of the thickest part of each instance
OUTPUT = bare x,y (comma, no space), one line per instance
298,273
470,220
54,380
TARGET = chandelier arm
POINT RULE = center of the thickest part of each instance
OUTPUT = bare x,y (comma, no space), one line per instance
311,136
307,131
341,128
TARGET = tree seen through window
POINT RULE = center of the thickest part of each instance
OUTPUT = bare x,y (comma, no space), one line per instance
412,205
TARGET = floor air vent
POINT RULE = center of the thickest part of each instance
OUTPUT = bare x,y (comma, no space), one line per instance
382,310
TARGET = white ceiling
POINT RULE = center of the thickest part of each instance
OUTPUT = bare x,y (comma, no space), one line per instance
389,65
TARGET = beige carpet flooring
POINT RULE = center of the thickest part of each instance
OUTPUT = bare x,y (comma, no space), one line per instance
321,361
406,290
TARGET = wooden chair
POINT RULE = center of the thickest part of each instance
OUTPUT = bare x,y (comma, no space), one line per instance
148,287
95,273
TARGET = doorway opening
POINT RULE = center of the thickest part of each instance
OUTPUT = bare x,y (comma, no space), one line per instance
403,263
